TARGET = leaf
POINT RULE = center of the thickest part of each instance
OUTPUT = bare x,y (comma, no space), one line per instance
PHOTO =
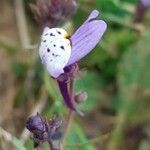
77,135
133,80
111,6
18,144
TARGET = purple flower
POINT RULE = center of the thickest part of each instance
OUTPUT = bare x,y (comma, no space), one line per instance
35,124
51,12
44,130
57,51
146,3
141,9
60,54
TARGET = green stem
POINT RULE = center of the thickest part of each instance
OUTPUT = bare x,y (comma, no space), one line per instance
117,139
92,141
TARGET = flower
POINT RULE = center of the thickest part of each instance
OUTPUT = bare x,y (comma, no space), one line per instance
50,12
146,3
35,124
59,53
44,130
141,9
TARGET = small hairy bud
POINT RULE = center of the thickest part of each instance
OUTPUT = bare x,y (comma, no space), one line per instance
81,97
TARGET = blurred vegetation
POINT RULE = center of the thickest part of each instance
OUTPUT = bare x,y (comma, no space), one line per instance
116,78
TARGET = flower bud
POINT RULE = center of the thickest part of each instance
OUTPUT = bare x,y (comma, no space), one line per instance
55,126
81,97
44,130
35,124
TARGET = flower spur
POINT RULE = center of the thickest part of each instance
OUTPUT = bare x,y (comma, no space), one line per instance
60,54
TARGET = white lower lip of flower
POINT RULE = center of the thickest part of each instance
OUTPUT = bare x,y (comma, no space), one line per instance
55,70
55,65
55,55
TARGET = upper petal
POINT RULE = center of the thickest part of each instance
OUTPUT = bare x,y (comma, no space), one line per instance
86,38
94,14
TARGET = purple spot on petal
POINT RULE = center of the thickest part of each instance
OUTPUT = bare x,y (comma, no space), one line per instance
46,34
48,50
62,47
51,34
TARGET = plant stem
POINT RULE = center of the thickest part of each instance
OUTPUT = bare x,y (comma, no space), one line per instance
117,139
95,140
38,148
22,26
70,112
68,125
54,145
50,145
